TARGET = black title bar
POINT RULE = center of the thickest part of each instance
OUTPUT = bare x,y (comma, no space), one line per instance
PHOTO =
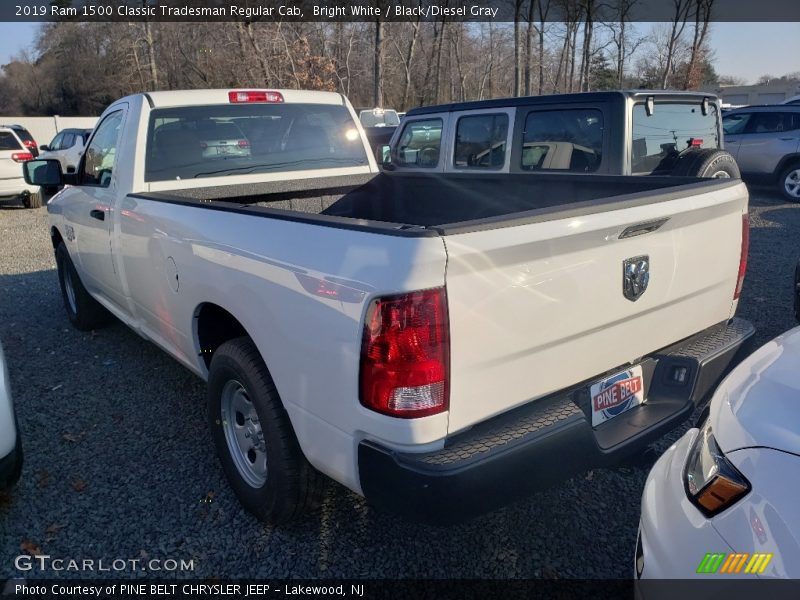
501,11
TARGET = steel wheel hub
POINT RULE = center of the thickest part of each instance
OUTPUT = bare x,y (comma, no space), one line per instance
243,434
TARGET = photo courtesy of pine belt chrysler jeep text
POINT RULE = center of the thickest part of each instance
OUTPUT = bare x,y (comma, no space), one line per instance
438,342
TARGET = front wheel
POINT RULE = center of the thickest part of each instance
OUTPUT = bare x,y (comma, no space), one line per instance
84,312
254,438
789,183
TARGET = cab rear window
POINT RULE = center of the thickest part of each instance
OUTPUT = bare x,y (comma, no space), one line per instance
212,141
8,141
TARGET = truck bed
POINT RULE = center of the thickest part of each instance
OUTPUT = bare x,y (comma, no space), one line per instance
443,203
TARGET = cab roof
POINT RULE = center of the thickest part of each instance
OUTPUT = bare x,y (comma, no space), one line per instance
560,99
220,96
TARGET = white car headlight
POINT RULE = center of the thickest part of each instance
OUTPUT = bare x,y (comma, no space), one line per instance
712,483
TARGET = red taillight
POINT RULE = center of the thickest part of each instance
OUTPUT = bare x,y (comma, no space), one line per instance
405,355
29,143
244,144
21,156
242,96
743,256
696,143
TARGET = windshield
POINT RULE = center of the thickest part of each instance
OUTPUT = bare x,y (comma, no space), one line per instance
379,118
211,141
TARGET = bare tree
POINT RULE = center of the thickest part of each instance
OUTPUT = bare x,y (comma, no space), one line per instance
682,8
702,17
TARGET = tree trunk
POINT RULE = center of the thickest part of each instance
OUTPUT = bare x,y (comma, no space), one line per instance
151,55
529,49
377,87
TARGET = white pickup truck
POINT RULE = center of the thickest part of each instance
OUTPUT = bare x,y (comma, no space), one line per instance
435,342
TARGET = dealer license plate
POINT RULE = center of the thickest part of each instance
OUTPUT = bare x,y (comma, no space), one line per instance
612,396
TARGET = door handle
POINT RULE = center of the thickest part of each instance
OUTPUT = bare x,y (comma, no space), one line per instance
100,215
788,139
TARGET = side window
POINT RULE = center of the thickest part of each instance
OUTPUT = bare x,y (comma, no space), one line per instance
99,162
735,124
660,138
8,141
481,141
420,144
769,122
568,140
69,141
56,143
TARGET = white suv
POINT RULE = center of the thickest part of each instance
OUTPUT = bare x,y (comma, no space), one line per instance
10,445
67,147
12,154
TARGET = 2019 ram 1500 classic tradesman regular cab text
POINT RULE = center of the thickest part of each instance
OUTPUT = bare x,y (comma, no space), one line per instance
433,342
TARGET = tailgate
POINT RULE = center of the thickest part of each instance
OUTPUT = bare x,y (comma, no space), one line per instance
538,307
8,168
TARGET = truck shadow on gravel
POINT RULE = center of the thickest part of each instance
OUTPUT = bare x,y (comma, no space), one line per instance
119,462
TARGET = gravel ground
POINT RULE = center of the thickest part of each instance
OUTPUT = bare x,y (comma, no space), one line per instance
120,464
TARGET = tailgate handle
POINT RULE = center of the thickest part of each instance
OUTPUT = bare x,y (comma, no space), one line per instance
642,228
98,214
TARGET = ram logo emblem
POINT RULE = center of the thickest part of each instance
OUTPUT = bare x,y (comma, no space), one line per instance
635,277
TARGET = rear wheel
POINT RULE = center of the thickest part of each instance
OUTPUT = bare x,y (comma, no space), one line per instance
707,162
789,183
84,312
34,200
254,438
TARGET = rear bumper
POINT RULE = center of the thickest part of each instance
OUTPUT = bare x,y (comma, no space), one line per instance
550,439
14,187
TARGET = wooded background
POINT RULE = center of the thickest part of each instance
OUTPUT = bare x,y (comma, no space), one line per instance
79,68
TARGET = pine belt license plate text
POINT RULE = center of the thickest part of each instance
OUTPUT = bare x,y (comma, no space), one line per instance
616,394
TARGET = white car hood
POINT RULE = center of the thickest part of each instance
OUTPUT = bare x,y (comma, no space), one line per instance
758,404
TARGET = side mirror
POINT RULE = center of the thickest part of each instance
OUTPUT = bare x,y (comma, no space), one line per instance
383,154
44,148
45,172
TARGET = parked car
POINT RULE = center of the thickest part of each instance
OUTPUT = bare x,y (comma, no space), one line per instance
379,124
722,501
615,133
25,137
379,117
436,342
13,154
793,100
10,442
765,140
67,146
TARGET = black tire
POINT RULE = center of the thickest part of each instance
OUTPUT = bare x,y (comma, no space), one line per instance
84,312
707,162
16,468
790,179
291,486
34,200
